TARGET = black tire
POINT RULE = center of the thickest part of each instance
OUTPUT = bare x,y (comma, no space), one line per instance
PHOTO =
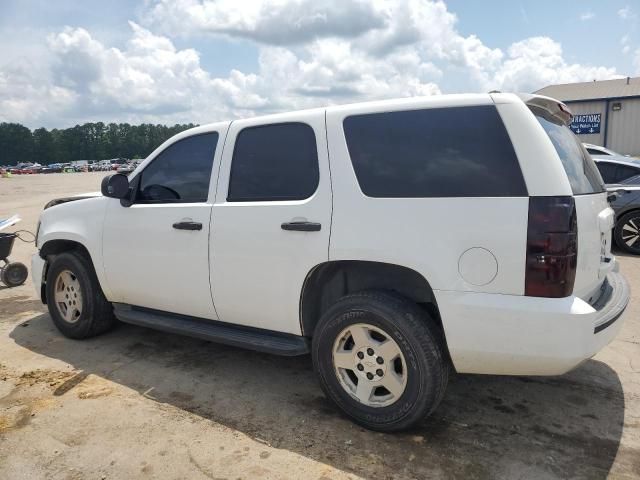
14,274
622,235
419,340
96,316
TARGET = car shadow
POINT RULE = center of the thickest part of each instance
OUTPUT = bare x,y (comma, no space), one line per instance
486,427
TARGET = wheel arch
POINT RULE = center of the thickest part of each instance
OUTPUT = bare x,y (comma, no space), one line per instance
53,247
329,281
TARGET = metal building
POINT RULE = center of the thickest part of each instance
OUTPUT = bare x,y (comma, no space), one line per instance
606,113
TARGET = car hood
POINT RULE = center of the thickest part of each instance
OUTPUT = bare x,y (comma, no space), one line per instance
73,198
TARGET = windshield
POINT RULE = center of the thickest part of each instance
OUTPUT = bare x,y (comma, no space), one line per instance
580,168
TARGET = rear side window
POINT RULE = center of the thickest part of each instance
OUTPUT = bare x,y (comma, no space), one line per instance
180,173
593,151
274,162
438,152
579,167
607,171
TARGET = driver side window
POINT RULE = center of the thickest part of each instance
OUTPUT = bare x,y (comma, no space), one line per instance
181,173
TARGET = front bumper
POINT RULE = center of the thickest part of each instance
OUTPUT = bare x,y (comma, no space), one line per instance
37,274
518,335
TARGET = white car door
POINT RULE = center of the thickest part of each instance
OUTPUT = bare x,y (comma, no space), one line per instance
156,251
271,218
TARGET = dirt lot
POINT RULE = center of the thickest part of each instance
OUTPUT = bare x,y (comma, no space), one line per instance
142,404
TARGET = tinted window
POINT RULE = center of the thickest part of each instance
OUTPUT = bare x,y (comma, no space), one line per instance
180,173
625,172
632,181
274,162
580,168
593,151
607,171
439,152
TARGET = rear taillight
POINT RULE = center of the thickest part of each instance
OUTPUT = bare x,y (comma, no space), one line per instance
552,247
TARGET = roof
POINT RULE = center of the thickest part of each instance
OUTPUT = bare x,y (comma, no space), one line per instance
617,88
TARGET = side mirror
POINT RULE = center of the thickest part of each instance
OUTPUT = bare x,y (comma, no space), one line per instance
115,186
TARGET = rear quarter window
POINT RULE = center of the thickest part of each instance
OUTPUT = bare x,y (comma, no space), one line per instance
438,152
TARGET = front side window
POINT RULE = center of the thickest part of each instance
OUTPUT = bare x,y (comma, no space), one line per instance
274,162
181,173
579,167
438,152
625,172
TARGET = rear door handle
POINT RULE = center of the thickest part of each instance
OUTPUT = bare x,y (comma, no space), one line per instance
301,226
187,226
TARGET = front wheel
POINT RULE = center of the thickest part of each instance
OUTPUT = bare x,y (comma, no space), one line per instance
381,359
627,232
76,303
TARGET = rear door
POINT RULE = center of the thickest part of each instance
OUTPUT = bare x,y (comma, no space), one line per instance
595,216
271,219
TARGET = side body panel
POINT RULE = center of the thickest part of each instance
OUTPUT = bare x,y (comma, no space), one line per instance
257,268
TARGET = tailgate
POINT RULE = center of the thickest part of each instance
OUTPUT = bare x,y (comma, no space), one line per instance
595,224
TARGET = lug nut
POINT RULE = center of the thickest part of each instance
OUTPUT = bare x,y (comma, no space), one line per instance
370,351
380,360
370,376
360,355
379,372
360,367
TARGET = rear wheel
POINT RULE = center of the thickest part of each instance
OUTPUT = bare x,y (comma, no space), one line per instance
76,303
381,359
627,232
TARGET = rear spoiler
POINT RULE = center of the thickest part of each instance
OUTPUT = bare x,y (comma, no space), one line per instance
551,106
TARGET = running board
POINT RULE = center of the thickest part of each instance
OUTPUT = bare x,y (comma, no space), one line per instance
257,339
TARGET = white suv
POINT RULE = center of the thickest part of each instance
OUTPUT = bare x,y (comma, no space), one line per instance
393,240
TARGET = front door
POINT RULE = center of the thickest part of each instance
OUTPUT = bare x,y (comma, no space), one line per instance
271,219
156,250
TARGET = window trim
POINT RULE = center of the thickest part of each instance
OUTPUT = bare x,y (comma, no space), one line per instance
272,199
134,183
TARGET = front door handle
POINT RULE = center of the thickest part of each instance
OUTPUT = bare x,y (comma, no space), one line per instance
187,226
301,226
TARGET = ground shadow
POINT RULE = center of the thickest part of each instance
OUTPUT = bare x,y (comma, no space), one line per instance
486,427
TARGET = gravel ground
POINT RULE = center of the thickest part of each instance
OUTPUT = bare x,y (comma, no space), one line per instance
142,404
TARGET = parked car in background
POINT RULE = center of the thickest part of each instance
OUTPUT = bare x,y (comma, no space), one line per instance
617,171
601,153
277,255
626,204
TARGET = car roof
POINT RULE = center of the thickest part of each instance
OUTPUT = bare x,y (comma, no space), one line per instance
628,163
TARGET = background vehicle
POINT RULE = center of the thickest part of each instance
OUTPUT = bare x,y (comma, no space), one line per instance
627,207
601,153
617,171
271,252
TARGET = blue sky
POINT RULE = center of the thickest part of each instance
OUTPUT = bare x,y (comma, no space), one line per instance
65,62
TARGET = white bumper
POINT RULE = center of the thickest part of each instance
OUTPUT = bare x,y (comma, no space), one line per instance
518,335
37,270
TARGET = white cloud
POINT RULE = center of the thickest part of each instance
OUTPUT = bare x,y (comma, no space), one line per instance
310,53
587,16
624,43
626,13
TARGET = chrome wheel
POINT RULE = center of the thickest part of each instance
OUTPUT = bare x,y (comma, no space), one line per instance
68,296
369,365
631,233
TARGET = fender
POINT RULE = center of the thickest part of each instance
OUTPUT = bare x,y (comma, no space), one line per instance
81,222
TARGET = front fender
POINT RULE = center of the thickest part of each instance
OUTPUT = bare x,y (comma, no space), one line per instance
80,222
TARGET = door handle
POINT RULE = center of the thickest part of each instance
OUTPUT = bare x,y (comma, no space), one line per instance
187,226
301,226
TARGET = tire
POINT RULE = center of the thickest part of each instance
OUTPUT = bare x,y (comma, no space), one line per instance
421,365
14,274
88,313
627,232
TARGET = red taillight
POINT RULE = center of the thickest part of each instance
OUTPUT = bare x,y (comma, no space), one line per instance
552,247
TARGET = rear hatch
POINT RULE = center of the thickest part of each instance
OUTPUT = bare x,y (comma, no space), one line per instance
595,218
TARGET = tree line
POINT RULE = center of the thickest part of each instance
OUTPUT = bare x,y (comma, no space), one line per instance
91,141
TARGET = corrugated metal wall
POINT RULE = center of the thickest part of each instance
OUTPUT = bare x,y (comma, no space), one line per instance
624,127
590,107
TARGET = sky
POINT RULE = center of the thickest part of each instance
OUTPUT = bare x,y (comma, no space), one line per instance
67,62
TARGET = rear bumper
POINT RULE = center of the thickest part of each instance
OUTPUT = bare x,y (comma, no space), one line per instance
517,335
